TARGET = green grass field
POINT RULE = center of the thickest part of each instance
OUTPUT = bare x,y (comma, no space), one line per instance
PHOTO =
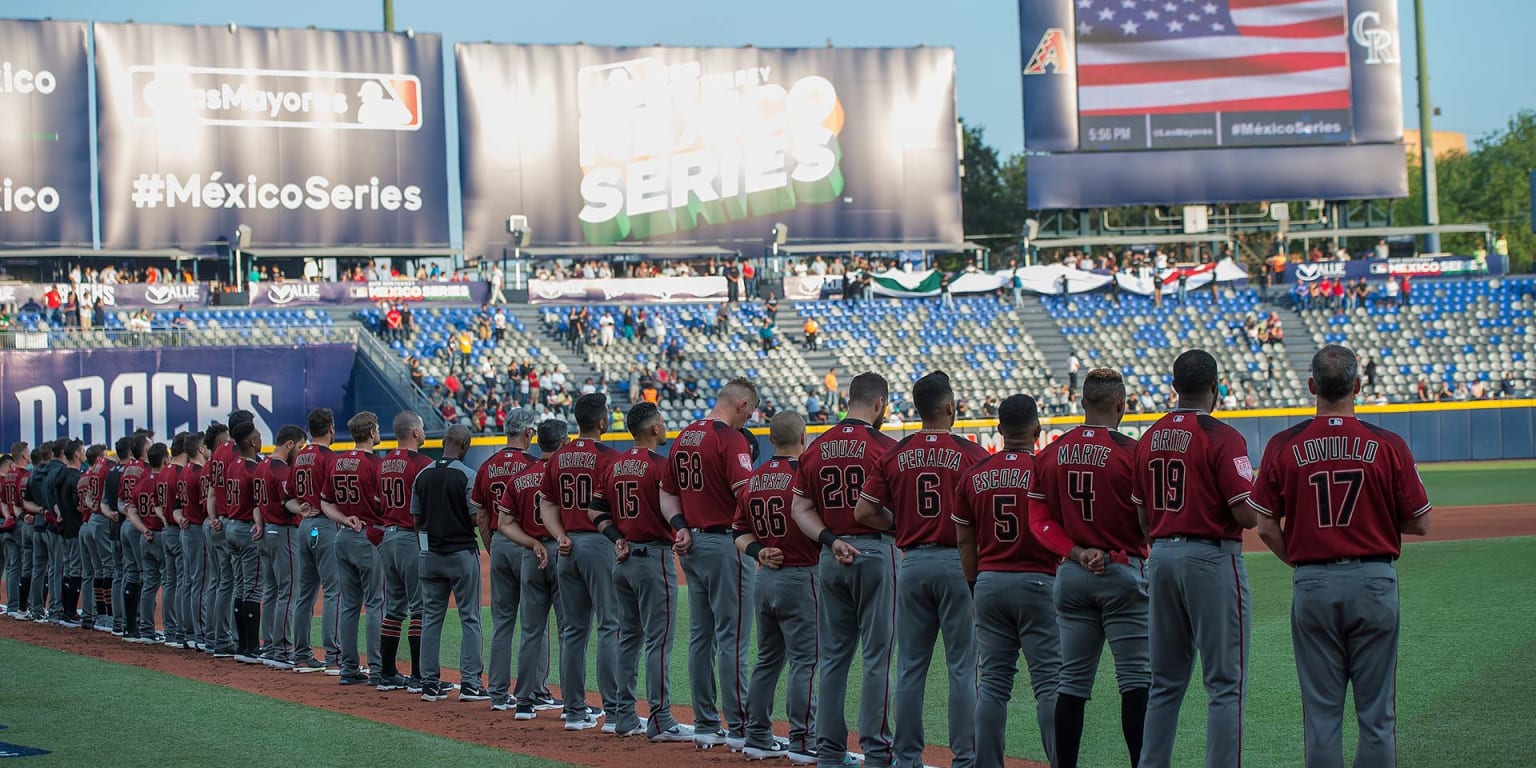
1464,676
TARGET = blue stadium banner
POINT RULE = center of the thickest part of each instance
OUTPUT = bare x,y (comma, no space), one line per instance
1375,71
1048,45
45,139
100,395
311,138
601,146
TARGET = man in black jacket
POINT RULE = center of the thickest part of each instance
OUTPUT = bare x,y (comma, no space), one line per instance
113,552
45,536
64,491
450,562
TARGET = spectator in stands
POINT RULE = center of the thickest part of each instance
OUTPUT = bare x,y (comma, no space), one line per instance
814,411
829,387
1392,291
642,325
1274,332
1407,291
765,335
659,329
1184,287
946,298
392,323
1251,400
811,328
1016,285
1148,404
733,283
1461,393
1426,395
989,406
1508,387
772,305
649,393
488,373
1229,401
1444,393
1073,366
466,341
605,333
1362,293
53,300
1478,390
453,385
98,314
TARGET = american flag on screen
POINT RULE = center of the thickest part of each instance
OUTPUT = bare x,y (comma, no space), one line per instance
1200,56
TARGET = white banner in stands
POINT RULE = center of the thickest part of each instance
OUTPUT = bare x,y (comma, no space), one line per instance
1047,279
655,290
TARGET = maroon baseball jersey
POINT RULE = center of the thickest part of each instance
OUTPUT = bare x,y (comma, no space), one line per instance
630,490
764,509
833,469
83,494
190,491
273,486
918,481
571,477
1342,487
397,476
1190,468
10,488
992,499
520,500
91,485
164,485
240,488
1083,481
135,471
312,473
708,463
220,466
354,486
494,474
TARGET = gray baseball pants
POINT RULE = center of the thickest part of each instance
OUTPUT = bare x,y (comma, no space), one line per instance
12,541
1094,608
119,574
362,588
220,599
457,574
96,553
194,580
786,632
276,564
645,594
46,581
540,596
506,594
400,557
931,595
315,555
245,561
1014,614
1199,602
171,584
861,595
720,583
586,591
1344,631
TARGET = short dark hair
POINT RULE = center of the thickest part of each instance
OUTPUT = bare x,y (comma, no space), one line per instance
71,447
321,421
740,388
20,448
1102,388
5,458
289,432
931,393
93,454
178,443
137,444
402,423
58,447
785,429
239,432
591,411
1335,370
194,439
157,455
362,425
124,448
1016,415
236,417
1195,372
458,435
212,434
867,388
639,416
551,433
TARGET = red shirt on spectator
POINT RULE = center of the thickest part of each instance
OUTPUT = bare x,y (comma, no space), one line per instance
392,319
52,298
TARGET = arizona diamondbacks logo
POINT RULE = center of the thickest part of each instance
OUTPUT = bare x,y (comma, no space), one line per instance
1053,51
1380,43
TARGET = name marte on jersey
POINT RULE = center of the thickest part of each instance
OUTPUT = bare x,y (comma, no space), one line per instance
942,458
773,481
1335,448
1083,453
1007,477
842,449
1176,440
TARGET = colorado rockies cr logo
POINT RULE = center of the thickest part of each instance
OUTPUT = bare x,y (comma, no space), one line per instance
1380,44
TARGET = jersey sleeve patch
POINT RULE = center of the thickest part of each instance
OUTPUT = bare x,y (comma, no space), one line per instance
1244,467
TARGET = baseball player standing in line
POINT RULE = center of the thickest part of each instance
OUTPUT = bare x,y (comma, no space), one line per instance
166,507
69,508
132,539
351,500
786,598
913,493
218,601
95,545
400,554
10,544
708,464
279,520
519,520
1014,576
18,539
491,481
243,531
585,565
1346,493
315,551
189,517
45,540
626,507
450,564
1080,508
110,499
857,576
1191,489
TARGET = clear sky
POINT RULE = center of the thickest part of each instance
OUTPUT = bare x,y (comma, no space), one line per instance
1479,49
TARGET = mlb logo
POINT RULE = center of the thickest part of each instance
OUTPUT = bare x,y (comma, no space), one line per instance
1335,422
1179,419
1010,457
932,438
1087,433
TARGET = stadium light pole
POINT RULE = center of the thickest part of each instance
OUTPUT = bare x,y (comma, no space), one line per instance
389,15
1426,133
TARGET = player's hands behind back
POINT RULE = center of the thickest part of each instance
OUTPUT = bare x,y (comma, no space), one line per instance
563,545
844,552
771,557
1095,560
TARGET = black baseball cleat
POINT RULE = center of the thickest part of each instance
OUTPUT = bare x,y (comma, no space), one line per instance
472,692
392,683
356,678
432,691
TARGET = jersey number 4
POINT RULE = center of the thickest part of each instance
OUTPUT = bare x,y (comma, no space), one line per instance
1080,490
1324,483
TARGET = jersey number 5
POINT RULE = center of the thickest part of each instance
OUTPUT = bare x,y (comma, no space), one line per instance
1323,483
